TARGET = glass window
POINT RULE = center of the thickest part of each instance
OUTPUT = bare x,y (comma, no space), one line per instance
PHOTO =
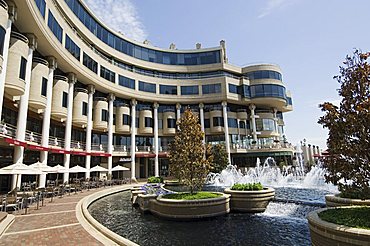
148,122
72,48
171,123
241,124
233,88
168,89
22,68
143,53
84,108
2,39
41,5
104,115
218,121
44,86
147,87
264,74
207,123
211,89
107,74
126,82
55,27
126,120
232,123
190,90
65,99
90,63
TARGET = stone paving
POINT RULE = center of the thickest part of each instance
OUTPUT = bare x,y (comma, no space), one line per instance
55,224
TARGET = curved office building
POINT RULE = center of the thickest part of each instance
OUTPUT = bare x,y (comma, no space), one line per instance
75,92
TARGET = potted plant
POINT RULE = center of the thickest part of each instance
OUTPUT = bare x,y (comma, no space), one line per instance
189,164
249,197
348,163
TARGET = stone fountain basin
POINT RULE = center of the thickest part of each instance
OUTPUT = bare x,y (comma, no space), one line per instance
337,201
250,201
190,209
326,233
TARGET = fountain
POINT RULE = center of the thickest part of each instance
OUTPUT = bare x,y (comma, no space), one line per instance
283,223
269,174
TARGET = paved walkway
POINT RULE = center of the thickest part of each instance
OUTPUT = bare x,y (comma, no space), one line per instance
53,224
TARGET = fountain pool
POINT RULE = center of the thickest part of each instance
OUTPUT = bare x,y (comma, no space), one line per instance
283,223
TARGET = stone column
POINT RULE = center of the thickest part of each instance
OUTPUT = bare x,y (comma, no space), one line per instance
20,134
46,118
133,140
156,147
90,101
275,122
226,130
68,132
111,98
252,107
201,114
11,18
178,111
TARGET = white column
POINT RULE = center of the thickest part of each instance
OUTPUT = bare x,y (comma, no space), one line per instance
6,55
111,99
156,147
178,111
20,134
201,114
89,125
252,107
276,122
68,132
46,118
226,130
133,141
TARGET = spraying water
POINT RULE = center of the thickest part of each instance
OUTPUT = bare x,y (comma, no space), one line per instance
269,174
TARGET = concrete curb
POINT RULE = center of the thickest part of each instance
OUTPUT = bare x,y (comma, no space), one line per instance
6,223
92,226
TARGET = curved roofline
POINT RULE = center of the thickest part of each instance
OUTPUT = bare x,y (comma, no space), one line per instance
82,2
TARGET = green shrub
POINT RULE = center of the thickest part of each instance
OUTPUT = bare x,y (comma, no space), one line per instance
192,196
358,217
155,179
247,187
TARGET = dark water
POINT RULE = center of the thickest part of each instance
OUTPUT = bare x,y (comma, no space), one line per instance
283,223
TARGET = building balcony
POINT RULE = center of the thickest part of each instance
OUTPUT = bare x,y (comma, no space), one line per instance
15,82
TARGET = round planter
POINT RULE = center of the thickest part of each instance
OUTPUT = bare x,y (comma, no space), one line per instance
190,209
250,201
326,233
336,201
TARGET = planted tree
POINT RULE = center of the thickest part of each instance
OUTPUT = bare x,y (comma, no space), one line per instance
348,163
220,158
187,158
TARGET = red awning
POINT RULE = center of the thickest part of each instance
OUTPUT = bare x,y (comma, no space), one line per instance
15,142
37,147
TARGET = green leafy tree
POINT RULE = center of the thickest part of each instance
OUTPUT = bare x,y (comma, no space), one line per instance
220,158
187,158
349,129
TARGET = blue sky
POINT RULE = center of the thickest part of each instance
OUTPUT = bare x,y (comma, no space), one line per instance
309,39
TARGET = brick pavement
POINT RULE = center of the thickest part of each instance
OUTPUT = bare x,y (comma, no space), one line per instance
53,224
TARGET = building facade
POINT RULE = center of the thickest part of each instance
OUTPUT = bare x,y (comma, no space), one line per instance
75,92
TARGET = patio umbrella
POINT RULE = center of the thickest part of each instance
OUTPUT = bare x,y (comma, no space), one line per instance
58,169
41,167
120,168
19,168
77,169
98,169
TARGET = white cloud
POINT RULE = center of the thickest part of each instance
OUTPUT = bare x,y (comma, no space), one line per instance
273,5
120,15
